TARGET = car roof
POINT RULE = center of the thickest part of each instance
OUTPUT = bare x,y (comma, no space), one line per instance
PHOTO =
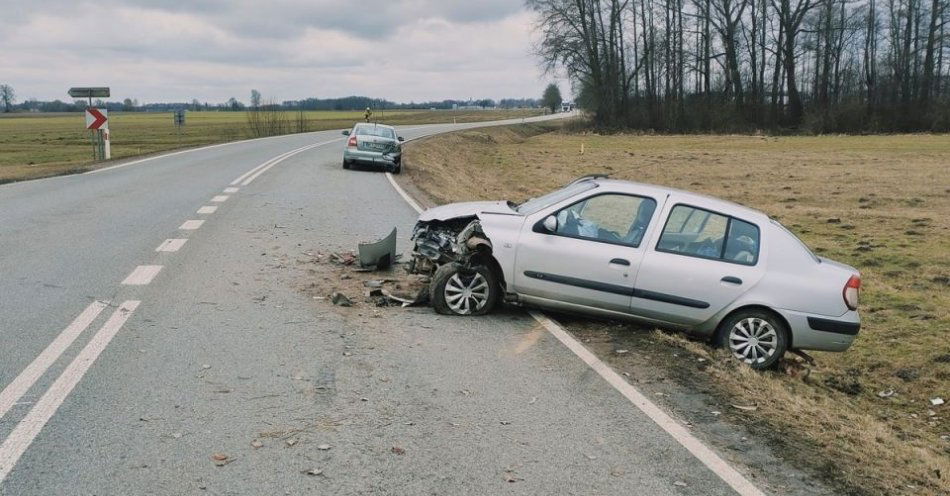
688,197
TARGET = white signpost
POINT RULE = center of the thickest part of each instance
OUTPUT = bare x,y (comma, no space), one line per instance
97,121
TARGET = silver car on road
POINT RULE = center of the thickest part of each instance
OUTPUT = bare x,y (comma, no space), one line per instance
373,144
627,250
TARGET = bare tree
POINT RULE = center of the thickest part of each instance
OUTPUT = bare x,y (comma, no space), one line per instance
7,97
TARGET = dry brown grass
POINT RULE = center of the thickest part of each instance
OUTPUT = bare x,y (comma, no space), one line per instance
879,203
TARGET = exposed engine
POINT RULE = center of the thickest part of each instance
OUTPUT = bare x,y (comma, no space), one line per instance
441,242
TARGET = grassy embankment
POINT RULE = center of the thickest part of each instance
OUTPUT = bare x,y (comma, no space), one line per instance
41,145
879,203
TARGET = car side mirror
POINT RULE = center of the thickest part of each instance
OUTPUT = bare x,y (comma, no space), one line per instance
346,132
401,138
550,223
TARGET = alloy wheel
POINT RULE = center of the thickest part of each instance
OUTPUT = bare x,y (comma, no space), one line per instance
753,340
466,293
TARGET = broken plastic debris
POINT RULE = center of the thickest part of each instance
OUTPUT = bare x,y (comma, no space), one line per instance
379,255
936,401
340,299
886,394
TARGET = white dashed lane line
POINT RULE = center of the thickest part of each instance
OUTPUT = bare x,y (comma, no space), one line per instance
231,190
219,198
142,275
207,209
171,245
191,225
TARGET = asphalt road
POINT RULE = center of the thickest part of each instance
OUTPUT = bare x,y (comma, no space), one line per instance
220,352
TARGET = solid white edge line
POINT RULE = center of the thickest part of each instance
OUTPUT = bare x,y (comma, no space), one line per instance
142,275
412,203
23,382
171,245
708,457
27,429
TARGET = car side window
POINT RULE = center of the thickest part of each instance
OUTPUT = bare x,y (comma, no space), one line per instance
702,233
742,244
611,218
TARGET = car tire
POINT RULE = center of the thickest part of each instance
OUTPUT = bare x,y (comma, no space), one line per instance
766,332
456,290
346,164
397,168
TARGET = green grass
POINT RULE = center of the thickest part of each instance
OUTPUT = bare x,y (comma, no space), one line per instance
40,145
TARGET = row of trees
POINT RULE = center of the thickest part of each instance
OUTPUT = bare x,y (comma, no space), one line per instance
828,65
8,104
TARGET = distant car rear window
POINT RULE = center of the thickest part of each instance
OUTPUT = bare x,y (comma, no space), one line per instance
382,132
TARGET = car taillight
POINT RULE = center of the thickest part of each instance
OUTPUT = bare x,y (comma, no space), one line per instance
352,141
850,292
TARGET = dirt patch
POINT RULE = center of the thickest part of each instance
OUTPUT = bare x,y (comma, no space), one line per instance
863,419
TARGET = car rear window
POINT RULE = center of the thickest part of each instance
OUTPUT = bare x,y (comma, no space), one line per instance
382,132
696,232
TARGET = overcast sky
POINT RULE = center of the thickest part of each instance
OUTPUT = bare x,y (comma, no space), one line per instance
177,50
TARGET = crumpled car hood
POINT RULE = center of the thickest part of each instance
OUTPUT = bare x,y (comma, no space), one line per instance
465,209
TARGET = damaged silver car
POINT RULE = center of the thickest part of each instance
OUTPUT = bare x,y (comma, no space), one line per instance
627,250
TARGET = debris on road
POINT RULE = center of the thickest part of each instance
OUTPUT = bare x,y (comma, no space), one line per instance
221,459
341,300
257,444
324,447
343,258
290,442
399,451
314,471
392,287
378,255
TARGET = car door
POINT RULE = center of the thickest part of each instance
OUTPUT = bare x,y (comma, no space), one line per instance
700,262
591,256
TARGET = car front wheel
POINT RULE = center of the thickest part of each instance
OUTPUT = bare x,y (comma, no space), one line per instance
755,337
456,290
346,164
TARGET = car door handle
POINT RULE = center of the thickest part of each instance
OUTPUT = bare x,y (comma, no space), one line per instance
731,280
620,261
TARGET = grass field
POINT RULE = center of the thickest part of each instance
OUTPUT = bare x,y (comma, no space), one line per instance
40,145
879,203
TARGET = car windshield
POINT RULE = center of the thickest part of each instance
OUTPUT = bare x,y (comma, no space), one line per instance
382,132
533,205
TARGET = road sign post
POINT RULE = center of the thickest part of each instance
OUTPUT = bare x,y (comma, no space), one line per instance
96,120
179,123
